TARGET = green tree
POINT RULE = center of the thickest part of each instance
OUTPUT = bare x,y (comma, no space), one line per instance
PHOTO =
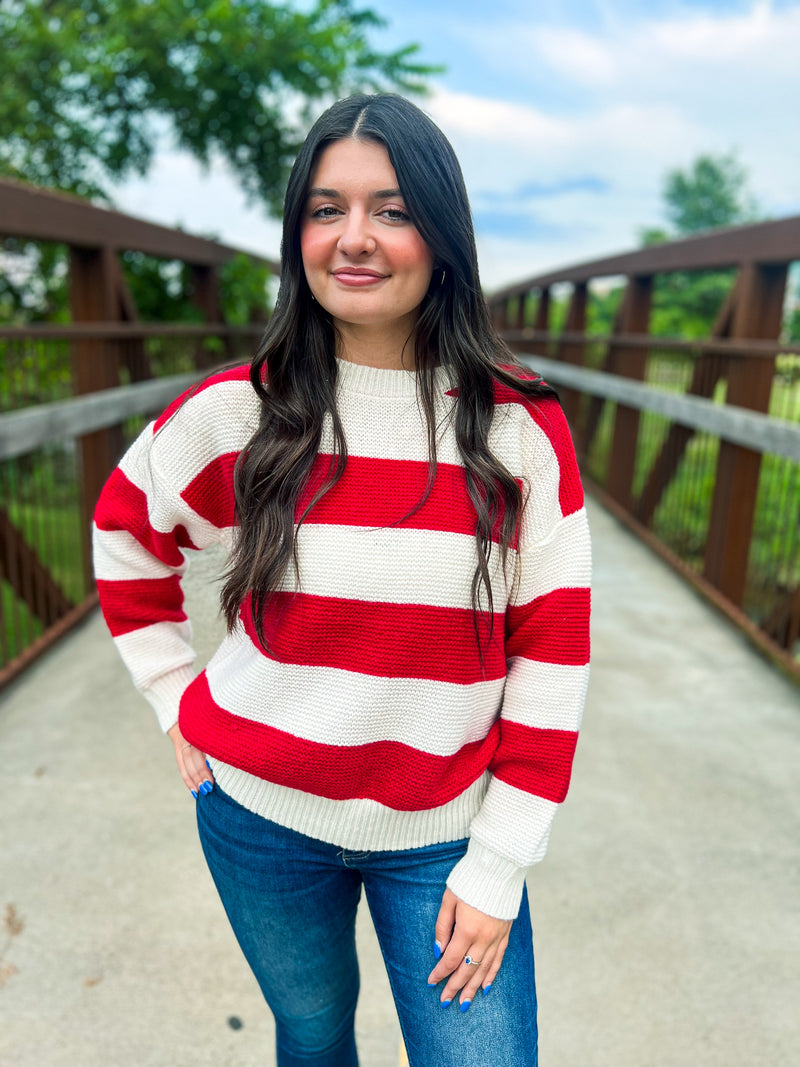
711,193
87,88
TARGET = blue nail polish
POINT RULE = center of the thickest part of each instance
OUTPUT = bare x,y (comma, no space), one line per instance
445,1003
465,1004
487,988
437,950
194,794
208,765
432,985
205,788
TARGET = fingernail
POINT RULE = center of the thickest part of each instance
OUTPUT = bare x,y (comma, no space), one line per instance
208,765
194,794
431,985
486,988
437,950
206,787
445,1003
465,1004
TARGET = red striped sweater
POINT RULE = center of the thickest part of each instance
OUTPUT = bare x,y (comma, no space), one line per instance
374,724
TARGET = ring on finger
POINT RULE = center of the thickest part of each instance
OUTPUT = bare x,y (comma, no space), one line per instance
470,962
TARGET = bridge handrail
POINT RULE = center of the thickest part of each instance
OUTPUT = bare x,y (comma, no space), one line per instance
773,242
750,429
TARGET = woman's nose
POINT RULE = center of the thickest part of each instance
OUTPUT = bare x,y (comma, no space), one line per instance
356,238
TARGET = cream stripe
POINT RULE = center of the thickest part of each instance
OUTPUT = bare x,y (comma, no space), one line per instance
513,823
118,556
356,824
564,561
338,707
172,639
548,696
391,564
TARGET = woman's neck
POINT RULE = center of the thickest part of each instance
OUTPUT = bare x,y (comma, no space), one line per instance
390,348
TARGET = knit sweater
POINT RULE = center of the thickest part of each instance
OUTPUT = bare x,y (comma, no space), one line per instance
373,722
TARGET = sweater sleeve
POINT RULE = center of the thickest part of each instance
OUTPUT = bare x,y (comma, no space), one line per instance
547,656
147,515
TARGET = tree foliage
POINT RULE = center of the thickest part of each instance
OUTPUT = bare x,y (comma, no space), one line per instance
87,88
711,193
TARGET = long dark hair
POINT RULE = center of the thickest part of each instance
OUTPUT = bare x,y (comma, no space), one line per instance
294,370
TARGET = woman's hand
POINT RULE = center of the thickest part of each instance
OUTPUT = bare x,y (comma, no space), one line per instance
463,931
191,763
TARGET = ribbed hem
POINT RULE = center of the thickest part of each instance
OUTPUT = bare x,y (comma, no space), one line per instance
165,695
493,884
380,381
365,825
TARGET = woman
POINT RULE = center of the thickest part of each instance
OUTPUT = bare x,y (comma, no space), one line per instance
397,701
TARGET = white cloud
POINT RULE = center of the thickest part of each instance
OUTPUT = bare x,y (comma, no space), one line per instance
206,202
637,98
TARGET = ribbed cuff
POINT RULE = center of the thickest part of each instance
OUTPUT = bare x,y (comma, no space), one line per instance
165,695
493,884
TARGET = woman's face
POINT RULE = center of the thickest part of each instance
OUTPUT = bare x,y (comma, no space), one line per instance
364,259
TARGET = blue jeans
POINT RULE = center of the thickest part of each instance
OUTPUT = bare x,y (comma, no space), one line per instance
292,901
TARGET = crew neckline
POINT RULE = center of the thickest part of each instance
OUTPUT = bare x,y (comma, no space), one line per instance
379,381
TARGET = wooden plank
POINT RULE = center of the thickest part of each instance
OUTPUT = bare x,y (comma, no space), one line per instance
749,429
43,215
571,352
758,313
629,363
706,373
28,577
724,346
25,431
773,242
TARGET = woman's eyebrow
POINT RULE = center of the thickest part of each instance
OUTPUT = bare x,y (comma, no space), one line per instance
334,194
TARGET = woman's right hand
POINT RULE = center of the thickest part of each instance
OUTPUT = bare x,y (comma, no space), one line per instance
192,764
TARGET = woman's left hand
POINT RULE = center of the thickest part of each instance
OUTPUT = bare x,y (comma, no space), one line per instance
463,931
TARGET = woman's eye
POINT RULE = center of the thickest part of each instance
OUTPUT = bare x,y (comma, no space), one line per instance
327,211
396,214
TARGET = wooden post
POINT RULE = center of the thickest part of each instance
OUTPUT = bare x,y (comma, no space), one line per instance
95,366
205,294
706,373
572,351
757,315
542,321
521,309
630,363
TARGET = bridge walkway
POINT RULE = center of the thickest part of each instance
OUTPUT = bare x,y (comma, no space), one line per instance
666,914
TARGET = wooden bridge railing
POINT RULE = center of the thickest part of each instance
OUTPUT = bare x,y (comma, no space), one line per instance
695,444
73,396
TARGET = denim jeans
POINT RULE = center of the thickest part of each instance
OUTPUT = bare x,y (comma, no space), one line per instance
292,901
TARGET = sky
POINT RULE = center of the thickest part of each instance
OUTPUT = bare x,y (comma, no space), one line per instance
566,116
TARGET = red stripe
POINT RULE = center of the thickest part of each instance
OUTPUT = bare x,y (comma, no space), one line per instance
389,772
235,374
553,628
534,760
387,640
123,506
131,604
381,492
371,492
211,494
548,415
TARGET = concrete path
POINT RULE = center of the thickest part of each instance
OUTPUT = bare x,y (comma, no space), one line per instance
666,915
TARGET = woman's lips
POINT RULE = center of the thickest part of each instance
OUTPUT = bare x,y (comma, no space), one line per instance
358,278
